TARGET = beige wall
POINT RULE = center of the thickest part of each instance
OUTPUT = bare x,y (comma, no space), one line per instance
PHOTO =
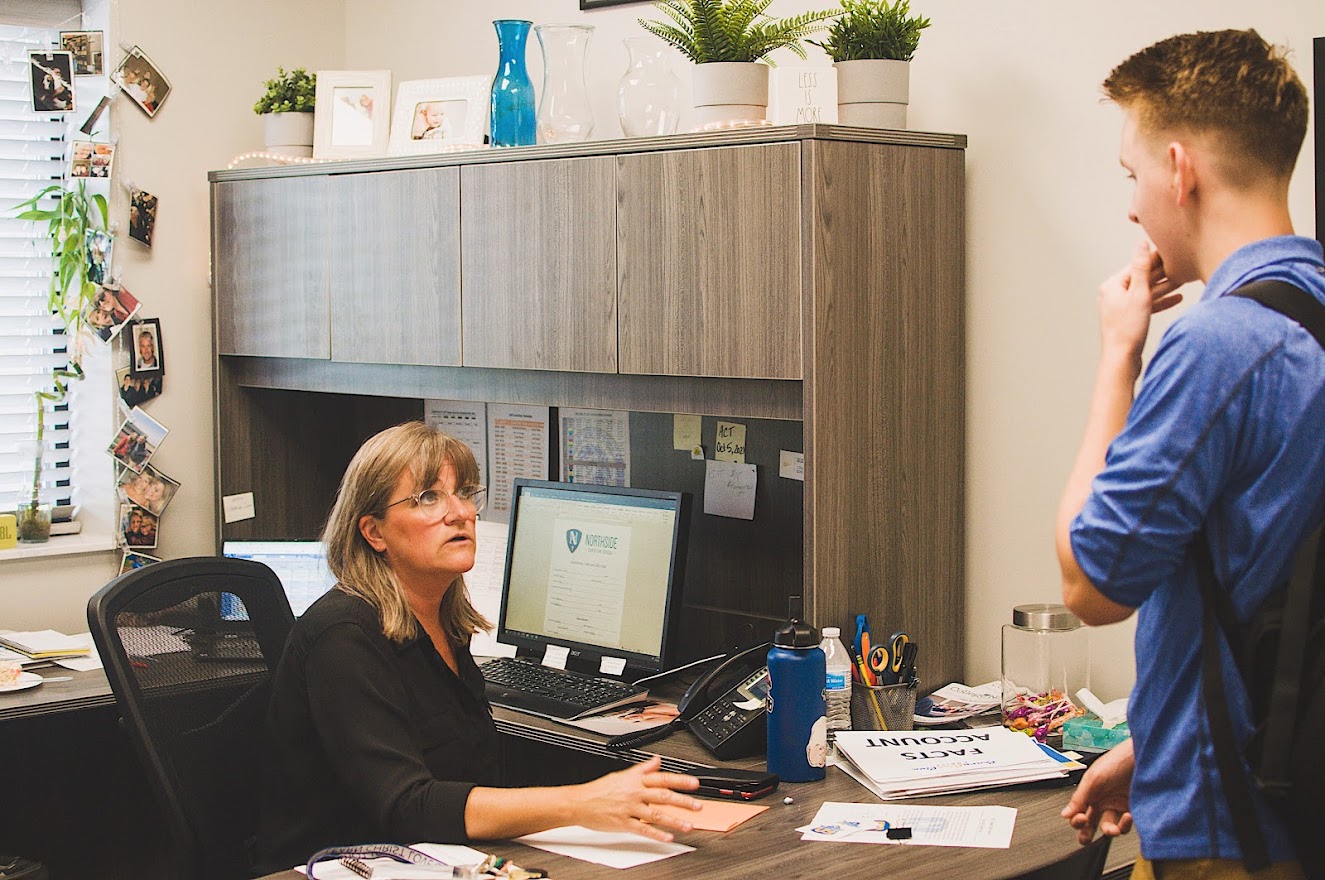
1046,208
216,57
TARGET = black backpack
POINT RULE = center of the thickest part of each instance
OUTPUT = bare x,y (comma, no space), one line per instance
1281,656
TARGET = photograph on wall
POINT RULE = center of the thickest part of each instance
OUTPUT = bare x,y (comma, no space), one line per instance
150,490
134,560
134,391
100,247
91,160
138,527
108,312
88,49
148,357
52,81
137,440
142,216
436,115
142,81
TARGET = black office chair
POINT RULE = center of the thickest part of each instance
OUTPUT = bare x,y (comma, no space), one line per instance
1086,863
189,647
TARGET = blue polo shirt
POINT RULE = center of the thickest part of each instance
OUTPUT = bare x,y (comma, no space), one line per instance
1228,428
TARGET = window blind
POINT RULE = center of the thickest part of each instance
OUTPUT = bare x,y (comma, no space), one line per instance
31,343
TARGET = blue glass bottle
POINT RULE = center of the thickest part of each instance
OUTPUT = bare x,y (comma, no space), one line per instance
511,115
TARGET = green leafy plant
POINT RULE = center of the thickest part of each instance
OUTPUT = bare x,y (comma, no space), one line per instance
731,30
874,29
69,219
292,92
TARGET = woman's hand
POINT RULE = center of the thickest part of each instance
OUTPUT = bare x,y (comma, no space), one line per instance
628,800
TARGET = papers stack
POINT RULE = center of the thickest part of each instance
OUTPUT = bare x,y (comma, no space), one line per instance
46,644
925,762
954,702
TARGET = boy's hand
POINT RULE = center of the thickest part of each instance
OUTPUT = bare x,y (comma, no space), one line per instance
1128,299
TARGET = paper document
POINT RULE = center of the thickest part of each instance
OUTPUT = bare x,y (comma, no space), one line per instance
467,422
45,643
389,869
484,582
595,446
954,702
613,849
981,827
517,447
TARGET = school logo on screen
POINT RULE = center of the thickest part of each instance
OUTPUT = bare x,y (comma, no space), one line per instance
573,537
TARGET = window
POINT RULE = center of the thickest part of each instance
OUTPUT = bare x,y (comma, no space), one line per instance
76,469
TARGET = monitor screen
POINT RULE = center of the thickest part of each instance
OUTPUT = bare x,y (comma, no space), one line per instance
300,565
597,570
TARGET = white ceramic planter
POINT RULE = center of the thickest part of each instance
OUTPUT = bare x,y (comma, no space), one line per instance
873,92
289,134
730,91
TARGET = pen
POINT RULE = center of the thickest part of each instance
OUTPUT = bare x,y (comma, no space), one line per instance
874,698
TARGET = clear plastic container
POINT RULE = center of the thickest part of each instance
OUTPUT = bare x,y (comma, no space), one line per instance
837,684
1046,660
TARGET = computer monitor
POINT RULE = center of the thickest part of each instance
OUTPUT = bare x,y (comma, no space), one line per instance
596,570
300,565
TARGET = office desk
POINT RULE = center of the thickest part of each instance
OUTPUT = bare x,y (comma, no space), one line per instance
768,845
87,690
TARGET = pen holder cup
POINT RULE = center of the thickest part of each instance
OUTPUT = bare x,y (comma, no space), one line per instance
883,707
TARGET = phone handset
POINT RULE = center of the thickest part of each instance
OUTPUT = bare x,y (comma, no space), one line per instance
698,696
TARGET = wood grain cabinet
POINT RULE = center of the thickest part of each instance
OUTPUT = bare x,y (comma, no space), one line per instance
808,280
269,258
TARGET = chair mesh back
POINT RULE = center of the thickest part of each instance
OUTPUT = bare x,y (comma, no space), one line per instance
189,647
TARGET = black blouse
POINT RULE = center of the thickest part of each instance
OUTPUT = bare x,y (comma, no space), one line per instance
369,741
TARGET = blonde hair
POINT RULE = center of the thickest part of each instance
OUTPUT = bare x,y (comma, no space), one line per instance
365,490
1229,83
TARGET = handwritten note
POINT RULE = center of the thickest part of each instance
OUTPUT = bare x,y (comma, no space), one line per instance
238,507
731,442
685,431
729,489
791,465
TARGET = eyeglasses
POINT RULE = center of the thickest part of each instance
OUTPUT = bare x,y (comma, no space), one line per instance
436,502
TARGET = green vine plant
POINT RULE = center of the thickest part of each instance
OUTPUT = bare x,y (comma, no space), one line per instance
74,214
731,30
874,29
293,92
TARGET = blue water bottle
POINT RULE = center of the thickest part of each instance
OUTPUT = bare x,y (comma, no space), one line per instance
797,716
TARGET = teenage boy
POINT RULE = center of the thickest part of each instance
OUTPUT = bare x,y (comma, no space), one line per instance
1224,434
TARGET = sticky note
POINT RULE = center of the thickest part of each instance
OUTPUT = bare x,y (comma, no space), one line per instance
729,489
556,656
715,815
238,507
730,445
685,431
612,666
8,531
791,465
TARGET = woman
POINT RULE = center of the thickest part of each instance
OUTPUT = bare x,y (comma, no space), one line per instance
379,729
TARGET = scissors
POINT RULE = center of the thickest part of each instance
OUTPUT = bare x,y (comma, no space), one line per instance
887,660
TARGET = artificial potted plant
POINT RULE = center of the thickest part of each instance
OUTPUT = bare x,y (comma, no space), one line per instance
871,43
726,39
287,111
74,214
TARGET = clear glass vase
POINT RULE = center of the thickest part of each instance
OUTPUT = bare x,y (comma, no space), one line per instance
649,98
511,118
564,113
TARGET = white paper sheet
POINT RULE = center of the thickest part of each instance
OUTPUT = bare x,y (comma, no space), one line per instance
467,422
979,827
613,849
729,489
595,446
517,447
388,869
484,583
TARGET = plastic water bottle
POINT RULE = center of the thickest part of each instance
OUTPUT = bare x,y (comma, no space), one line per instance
837,689
797,724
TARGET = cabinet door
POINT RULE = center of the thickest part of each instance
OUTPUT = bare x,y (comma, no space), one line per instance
709,262
538,258
270,267
395,267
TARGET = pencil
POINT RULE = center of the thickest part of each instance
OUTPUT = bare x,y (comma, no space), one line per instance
874,698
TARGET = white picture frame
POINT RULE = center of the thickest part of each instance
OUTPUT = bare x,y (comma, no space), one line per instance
439,115
351,114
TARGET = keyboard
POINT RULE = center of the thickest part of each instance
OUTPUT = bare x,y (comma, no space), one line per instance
554,693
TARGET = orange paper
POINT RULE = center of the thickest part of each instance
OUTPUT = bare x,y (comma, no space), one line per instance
716,815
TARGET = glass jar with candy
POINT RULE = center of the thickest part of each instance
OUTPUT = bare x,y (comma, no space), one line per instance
1046,660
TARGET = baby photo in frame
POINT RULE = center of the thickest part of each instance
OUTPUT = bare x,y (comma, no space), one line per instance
52,81
138,527
142,81
137,440
439,115
148,357
87,47
352,118
109,310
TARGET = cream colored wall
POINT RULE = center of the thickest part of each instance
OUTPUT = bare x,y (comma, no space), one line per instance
1046,209
216,57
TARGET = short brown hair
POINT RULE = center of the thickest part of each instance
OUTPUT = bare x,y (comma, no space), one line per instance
1231,83
366,490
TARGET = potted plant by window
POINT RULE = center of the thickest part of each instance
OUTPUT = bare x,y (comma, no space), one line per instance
725,39
871,43
287,106
70,218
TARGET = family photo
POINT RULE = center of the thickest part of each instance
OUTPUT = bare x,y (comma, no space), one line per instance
137,440
52,81
150,490
138,527
134,391
142,81
107,313
91,160
142,216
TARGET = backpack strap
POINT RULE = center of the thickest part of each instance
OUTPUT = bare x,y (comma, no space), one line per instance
1309,567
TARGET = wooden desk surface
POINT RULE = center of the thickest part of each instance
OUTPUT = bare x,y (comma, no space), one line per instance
85,691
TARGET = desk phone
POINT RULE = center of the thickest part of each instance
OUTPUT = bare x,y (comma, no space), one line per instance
734,725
